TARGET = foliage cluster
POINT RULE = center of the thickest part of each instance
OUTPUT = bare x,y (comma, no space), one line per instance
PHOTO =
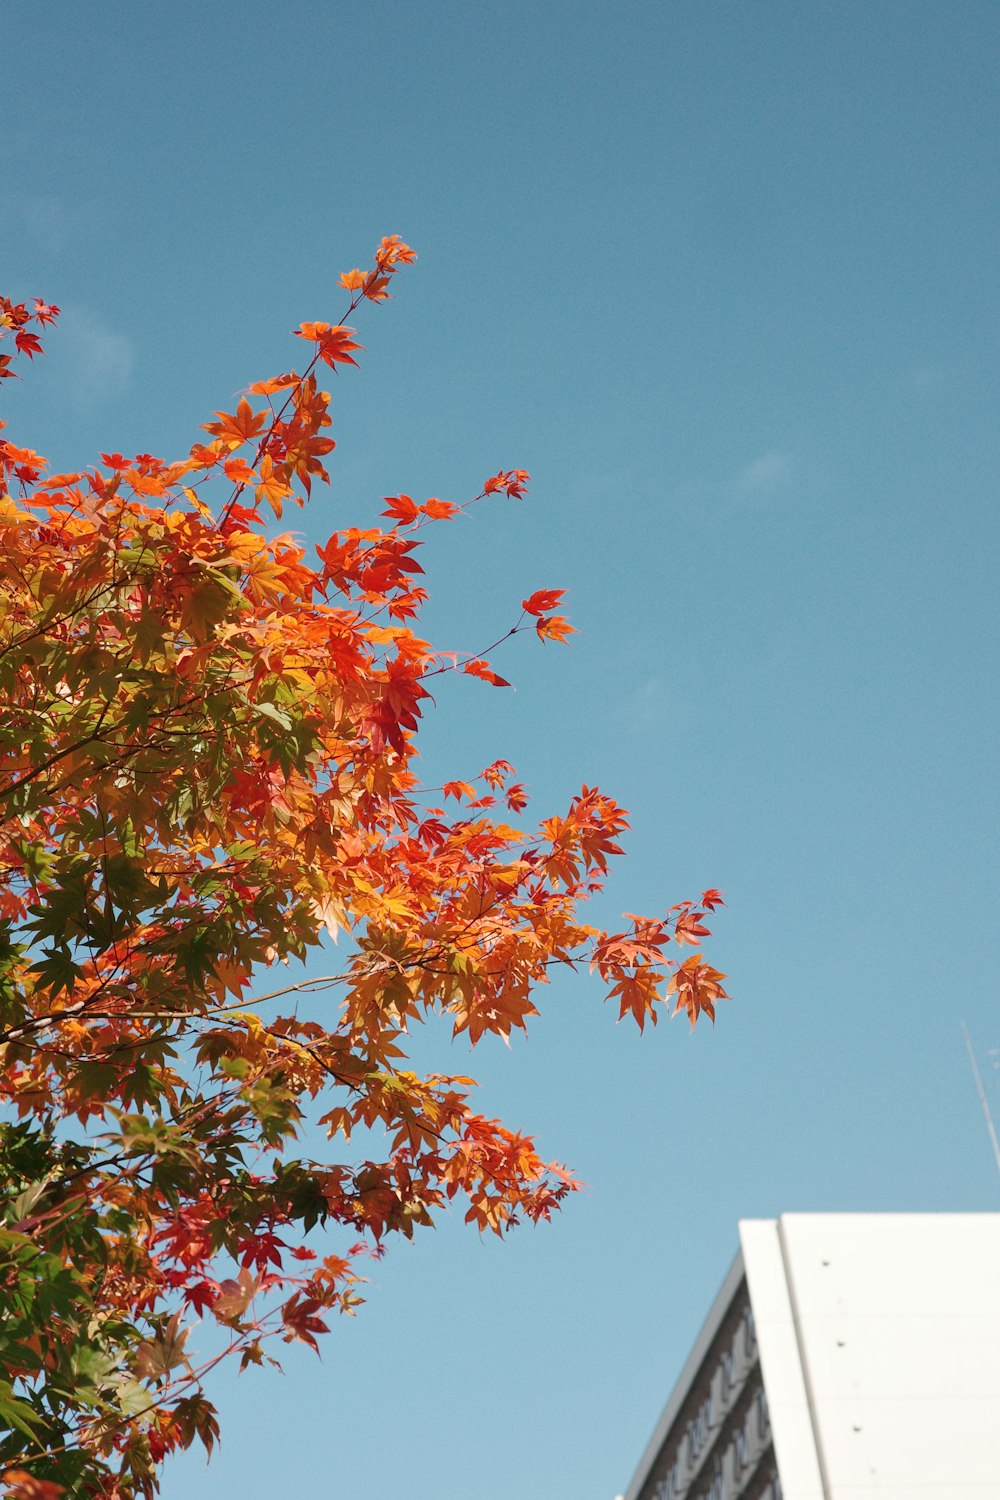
206,768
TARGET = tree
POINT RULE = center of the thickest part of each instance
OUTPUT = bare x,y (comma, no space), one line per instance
206,767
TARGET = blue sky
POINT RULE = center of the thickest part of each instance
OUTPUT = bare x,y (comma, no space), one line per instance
722,277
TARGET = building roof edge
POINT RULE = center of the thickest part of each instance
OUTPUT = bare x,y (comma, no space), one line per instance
685,1379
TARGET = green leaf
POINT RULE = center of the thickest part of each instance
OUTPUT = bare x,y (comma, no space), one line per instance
15,1413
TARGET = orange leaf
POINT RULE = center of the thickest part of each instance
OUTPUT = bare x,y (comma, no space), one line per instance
637,994
276,383
335,344
272,486
689,928
496,774
235,430
440,510
375,287
554,628
392,252
458,789
238,470
697,987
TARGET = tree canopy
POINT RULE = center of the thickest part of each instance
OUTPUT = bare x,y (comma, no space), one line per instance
207,752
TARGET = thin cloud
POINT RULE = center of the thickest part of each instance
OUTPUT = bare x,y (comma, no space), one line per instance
48,223
929,375
95,362
653,705
763,478
45,220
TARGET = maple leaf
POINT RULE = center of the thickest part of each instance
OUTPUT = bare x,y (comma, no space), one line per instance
235,429
401,508
300,1321
24,1486
334,344
200,1295
541,600
637,991
272,486
497,772
331,913
483,670
235,1295
689,928
440,510
458,790
210,767
238,470
697,987
392,252
157,1357
195,1416
28,343
376,287
276,383
513,482
553,628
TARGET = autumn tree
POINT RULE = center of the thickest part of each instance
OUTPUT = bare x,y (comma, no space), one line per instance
206,769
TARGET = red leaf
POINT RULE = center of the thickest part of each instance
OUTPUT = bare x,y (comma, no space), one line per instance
516,797
485,671
496,774
401,508
513,482
24,1486
541,600
300,1321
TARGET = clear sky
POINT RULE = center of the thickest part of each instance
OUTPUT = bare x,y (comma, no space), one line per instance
722,277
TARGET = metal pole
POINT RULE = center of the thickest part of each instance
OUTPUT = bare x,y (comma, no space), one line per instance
982,1097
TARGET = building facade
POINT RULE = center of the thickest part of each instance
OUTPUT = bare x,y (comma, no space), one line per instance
846,1357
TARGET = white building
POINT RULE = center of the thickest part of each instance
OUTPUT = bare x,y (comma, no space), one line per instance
847,1357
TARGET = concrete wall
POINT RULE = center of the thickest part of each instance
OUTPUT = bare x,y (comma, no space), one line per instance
879,1341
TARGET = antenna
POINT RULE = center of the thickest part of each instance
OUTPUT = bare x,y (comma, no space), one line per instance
982,1097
